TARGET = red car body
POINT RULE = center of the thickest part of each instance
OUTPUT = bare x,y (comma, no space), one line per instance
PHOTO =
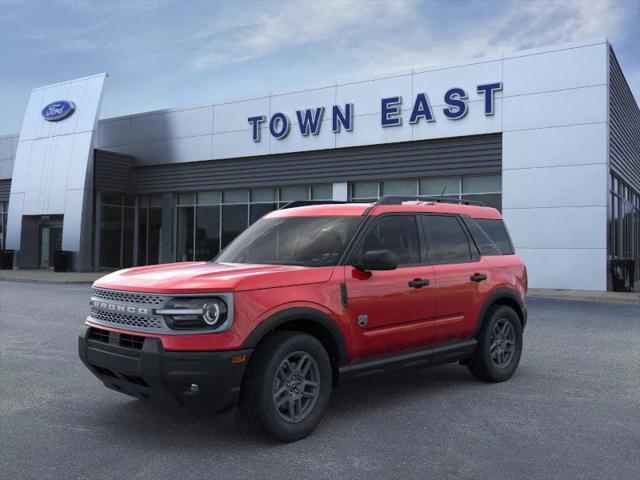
329,300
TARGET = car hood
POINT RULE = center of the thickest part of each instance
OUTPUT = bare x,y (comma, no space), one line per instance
202,277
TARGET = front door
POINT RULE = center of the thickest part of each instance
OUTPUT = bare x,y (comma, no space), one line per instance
390,310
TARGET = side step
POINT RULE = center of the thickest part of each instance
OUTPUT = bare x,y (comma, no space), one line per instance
431,356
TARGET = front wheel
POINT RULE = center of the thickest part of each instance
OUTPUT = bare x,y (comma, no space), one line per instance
287,386
499,345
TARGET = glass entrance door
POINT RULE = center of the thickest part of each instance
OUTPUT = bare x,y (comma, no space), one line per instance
50,241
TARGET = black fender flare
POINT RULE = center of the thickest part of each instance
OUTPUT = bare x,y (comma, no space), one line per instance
306,314
501,294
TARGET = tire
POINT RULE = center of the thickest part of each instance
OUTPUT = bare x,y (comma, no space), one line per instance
500,332
278,399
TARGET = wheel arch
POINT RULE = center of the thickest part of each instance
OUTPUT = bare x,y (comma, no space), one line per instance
306,320
506,297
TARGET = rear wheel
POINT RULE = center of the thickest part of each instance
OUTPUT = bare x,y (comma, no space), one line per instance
499,345
287,386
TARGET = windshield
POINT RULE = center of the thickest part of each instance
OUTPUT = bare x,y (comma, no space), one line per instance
306,241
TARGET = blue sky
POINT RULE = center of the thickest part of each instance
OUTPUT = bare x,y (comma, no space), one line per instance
163,53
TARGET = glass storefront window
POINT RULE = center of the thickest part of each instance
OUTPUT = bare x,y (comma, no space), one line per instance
209,198
149,229
400,187
110,236
322,192
207,232
624,236
234,221
116,230
364,190
4,206
483,184
486,189
185,234
236,196
186,198
263,195
206,222
291,194
440,186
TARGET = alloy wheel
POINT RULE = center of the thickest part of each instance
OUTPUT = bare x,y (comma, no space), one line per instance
296,387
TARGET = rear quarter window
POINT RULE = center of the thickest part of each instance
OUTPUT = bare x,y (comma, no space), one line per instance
497,232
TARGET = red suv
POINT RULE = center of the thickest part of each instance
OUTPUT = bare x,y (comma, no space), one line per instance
310,295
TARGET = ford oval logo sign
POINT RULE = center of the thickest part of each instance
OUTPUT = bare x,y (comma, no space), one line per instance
56,111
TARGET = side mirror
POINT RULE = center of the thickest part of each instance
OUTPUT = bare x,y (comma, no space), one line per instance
378,260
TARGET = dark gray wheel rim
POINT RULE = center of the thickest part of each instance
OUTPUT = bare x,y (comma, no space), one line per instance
503,343
296,387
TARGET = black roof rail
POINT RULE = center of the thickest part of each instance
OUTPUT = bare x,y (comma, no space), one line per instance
307,203
398,199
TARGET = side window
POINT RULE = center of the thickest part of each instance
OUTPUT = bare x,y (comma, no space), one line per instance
498,233
447,241
398,233
483,241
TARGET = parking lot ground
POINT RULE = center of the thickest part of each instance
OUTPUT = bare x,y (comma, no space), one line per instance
571,411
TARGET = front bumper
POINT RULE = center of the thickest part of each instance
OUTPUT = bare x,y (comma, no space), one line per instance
143,369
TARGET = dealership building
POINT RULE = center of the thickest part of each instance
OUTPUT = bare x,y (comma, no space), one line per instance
549,136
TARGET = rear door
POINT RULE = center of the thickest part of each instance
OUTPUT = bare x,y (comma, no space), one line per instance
390,310
462,277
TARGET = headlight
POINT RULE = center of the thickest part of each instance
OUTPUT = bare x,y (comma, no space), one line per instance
195,313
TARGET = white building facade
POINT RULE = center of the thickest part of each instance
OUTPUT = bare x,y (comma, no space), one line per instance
550,136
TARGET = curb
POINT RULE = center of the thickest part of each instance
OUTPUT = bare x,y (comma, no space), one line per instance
587,298
58,282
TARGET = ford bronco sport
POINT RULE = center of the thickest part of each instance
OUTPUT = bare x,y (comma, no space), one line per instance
309,295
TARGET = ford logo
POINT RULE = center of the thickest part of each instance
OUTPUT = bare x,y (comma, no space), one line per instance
56,111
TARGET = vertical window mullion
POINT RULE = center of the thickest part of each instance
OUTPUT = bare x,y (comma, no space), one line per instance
195,218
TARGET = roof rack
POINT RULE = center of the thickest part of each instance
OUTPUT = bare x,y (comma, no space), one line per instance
307,203
386,200
398,199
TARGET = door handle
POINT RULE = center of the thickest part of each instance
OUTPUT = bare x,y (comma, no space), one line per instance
419,283
478,277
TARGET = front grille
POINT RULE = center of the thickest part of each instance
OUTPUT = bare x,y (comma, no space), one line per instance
139,321
131,341
128,297
99,335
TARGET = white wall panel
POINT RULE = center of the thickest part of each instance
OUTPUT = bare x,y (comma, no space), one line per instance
366,96
553,109
8,147
231,117
234,144
295,142
576,269
561,69
188,149
581,185
189,122
148,128
72,221
6,169
367,131
290,103
475,122
572,145
436,82
114,132
77,170
558,227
